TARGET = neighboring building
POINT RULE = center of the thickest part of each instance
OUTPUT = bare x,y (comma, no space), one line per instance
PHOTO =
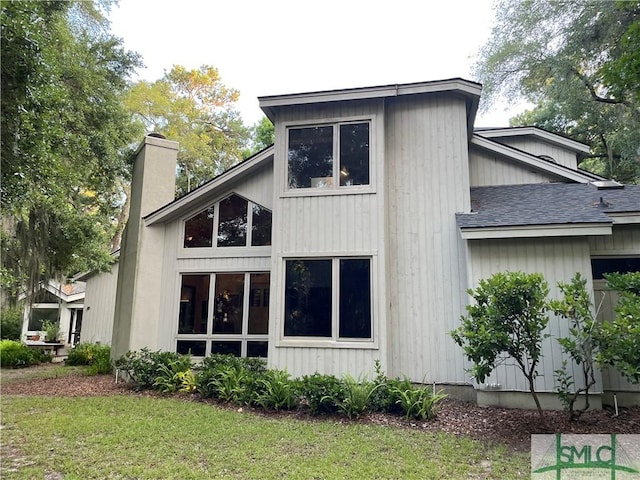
54,302
354,238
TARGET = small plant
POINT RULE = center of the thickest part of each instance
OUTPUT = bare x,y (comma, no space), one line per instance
144,366
418,402
278,391
356,396
230,384
11,323
17,355
51,331
97,356
188,382
321,393
174,377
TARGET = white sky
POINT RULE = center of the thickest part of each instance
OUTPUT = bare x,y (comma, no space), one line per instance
275,47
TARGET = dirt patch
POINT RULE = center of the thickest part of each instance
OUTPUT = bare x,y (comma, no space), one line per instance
512,427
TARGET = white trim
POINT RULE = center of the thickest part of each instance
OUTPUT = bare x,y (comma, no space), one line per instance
624,218
529,231
530,160
535,132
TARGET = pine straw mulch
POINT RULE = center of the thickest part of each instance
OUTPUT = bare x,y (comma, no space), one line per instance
511,427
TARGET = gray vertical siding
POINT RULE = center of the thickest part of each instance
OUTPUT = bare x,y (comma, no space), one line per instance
486,169
99,307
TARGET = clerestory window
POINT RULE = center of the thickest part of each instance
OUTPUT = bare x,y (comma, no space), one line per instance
329,156
236,221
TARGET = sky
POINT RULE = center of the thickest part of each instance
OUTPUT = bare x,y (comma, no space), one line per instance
282,46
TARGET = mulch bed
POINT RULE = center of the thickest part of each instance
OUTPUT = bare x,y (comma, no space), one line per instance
512,427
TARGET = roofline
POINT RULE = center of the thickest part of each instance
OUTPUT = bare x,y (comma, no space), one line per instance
531,160
469,89
58,292
237,171
84,276
551,137
532,231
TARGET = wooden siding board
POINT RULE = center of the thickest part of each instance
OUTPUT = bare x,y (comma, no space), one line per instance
99,307
486,169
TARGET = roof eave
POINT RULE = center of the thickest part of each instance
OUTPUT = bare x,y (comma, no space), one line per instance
532,231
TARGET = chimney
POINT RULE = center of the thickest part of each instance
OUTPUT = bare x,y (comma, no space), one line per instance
138,300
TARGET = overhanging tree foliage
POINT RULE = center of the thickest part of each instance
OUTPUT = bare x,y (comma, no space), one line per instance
65,138
579,63
194,108
506,321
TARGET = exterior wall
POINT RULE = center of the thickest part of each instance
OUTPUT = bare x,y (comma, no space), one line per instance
486,169
427,172
558,259
99,307
178,260
533,146
625,241
328,224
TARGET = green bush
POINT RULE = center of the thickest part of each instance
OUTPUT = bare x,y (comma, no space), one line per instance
145,366
418,402
277,391
356,396
17,355
230,378
11,323
321,393
97,356
175,377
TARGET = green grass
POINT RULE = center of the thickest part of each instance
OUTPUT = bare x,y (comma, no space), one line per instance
40,372
122,437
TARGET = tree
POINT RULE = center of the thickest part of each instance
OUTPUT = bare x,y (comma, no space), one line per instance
506,321
194,108
619,340
65,137
581,344
579,63
263,135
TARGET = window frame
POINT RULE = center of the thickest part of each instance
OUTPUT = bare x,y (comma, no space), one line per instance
224,251
336,189
209,337
334,341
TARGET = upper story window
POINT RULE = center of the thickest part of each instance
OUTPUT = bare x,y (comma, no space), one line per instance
327,156
237,221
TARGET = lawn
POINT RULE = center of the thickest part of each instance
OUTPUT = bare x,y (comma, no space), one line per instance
129,436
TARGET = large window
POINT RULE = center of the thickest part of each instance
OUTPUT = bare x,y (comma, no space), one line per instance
328,155
314,286
236,221
236,321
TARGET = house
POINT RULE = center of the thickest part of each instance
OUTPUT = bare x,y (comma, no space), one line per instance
354,238
54,302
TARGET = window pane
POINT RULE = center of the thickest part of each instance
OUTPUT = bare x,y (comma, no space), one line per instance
232,224
227,348
261,229
257,349
311,157
39,315
197,349
198,230
355,298
600,266
228,306
194,304
308,298
354,154
258,309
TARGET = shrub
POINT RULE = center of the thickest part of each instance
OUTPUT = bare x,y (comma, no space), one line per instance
11,323
232,383
97,356
144,366
356,396
175,377
418,402
17,355
321,393
51,331
277,391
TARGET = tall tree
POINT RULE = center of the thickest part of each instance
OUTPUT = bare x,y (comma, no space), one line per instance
65,137
194,108
579,63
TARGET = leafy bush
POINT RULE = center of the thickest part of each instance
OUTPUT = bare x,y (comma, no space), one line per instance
175,377
356,396
417,402
51,331
11,323
97,356
277,391
321,393
144,366
232,383
17,355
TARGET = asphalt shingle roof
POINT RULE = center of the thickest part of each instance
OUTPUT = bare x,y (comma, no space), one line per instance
546,204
